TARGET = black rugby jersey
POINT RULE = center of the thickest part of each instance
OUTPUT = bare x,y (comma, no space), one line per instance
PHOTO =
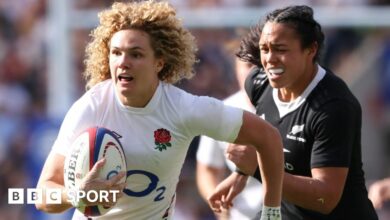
321,128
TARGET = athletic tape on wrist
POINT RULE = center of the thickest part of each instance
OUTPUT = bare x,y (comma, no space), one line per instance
271,213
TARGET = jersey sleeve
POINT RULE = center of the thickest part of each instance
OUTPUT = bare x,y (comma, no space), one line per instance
211,117
337,130
76,120
211,152
255,83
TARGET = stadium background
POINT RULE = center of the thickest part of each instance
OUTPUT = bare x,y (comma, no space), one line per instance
41,52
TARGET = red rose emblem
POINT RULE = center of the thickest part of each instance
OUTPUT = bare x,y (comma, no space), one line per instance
162,138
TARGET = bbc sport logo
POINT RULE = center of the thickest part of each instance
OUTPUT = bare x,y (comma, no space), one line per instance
54,196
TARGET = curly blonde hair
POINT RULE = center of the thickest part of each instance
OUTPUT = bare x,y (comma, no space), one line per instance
169,40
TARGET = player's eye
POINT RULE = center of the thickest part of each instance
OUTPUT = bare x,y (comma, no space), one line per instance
136,55
115,52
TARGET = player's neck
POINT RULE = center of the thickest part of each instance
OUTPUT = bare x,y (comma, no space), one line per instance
289,94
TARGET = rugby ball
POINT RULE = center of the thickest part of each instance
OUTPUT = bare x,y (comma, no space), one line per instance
89,147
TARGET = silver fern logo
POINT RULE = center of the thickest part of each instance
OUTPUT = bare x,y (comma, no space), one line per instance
294,133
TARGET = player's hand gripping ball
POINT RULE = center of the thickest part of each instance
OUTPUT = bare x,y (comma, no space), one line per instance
89,147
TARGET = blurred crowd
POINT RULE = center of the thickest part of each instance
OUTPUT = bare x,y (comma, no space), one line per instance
360,55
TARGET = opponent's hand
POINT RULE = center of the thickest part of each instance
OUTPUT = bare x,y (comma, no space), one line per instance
226,191
379,192
244,157
92,181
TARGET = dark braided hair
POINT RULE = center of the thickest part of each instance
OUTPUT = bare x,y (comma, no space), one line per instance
300,18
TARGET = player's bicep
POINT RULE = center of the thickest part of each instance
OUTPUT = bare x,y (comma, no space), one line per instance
254,130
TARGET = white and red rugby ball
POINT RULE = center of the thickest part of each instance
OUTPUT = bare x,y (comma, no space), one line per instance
89,147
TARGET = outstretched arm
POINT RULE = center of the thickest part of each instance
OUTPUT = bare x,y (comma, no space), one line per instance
268,143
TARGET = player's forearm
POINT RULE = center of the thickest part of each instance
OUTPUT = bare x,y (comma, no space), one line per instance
268,143
207,180
53,208
272,168
205,187
308,193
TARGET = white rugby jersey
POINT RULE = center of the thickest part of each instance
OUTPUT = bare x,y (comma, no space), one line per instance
155,140
249,202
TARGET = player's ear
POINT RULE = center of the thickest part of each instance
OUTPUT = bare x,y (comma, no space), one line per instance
312,49
159,64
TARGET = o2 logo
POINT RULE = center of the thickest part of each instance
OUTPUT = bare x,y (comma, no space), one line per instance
150,188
